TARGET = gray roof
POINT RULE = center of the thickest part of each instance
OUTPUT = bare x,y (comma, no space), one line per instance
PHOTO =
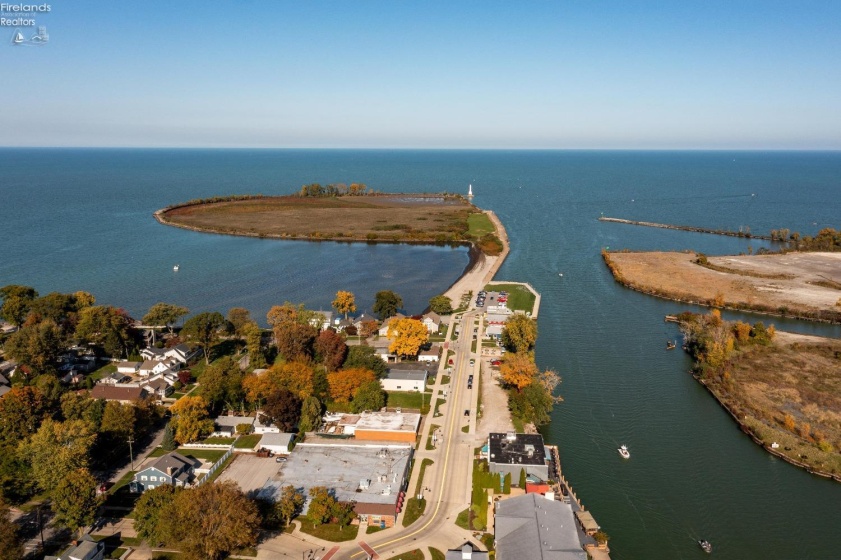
408,375
466,551
277,439
4,389
3,380
87,549
172,460
536,528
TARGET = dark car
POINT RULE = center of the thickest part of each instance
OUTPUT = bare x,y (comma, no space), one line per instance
467,412
469,385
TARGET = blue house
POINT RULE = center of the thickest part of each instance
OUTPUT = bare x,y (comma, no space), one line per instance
173,469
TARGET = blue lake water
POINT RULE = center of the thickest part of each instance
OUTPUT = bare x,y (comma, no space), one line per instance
81,219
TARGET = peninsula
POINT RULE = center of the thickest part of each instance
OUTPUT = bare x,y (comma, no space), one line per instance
370,217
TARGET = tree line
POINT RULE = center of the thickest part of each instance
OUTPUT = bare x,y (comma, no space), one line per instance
336,189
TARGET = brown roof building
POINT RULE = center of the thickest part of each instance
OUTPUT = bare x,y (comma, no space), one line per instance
116,393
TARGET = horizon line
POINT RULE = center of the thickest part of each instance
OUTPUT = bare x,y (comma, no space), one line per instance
427,148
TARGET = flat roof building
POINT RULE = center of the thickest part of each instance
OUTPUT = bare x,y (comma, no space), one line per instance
511,452
374,426
536,528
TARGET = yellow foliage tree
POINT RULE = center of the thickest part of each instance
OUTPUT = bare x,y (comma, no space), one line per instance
407,336
789,423
190,419
742,331
297,377
345,382
345,302
518,370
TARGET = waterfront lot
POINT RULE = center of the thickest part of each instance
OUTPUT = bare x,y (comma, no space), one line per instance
249,471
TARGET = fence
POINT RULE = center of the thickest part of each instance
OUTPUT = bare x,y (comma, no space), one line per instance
216,466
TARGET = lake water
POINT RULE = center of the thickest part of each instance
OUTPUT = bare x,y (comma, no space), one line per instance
81,219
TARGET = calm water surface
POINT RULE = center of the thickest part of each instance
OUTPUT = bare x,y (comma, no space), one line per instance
81,219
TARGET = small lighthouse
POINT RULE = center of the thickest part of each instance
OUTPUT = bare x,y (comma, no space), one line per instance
470,191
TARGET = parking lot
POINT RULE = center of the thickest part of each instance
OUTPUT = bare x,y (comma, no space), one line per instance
250,471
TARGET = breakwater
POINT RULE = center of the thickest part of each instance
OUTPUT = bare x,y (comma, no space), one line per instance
746,234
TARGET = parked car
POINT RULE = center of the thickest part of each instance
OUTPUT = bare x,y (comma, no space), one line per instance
469,384
472,362
496,362
280,460
467,412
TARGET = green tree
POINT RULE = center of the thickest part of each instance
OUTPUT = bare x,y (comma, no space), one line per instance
74,500
522,482
253,335
282,408
221,382
107,327
204,330
238,317
343,513
345,302
364,357
290,503
369,396
519,333
54,306
37,346
164,315
190,419
154,512
441,305
310,419
79,406
51,388
58,448
168,441
506,484
386,304
16,303
214,520
322,505
22,410
118,421
11,546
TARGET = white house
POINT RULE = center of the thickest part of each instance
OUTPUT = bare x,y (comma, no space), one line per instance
261,428
381,349
322,320
226,426
432,321
147,368
129,368
277,443
384,327
430,355
405,379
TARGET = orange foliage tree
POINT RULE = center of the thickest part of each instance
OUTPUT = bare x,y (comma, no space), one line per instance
345,302
345,382
407,336
296,377
518,370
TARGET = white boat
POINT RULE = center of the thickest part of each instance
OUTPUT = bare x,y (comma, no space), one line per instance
623,451
705,545
175,268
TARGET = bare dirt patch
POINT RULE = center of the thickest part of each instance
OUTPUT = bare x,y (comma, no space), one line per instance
785,284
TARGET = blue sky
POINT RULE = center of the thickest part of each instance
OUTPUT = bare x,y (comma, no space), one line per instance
399,74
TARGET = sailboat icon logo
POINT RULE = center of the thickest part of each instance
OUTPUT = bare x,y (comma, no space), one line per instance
39,38
17,38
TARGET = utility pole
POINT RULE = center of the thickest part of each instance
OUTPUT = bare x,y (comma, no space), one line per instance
130,453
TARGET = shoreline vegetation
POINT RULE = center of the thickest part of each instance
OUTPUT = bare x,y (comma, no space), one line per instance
792,284
743,232
368,217
783,389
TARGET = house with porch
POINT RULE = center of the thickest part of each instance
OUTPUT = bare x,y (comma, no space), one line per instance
173,469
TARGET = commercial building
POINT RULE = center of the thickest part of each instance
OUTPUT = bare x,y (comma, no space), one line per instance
406,377
511,453
374,426
538,528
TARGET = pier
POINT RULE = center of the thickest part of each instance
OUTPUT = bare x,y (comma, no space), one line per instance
746,234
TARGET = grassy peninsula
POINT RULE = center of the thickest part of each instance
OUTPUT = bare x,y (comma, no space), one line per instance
784,389
339,215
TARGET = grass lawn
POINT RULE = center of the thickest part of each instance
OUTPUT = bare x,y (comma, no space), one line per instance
436,554
425,463
124,480
518,424
248,442
445,380
479,224
465,429
408,399
221,469
438,404
429,446
373,529
414,509
411,555
104,371
328,531
463,519
519,297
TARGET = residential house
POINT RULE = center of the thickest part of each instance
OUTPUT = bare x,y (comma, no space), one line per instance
406,376
430,355
381,349
263,428
115,378
384,327
173,469
531,526
118,393
226,426
152,353
359,322
277,442
129,368
466,552
180,353
87,548
432,321
146,368
322,320
158,388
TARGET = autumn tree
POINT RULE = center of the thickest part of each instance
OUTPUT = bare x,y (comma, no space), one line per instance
294,339
74,500
204,329
343,513
344,303
367,328
37,346
407,335
238,317
190,419
282,408
289,312
154,512
518,370
345,382
118,421
164,315
369,396
519,333
386,304
11,546
58,448
253,336
22,410
79,406
330,347
290,503
221,383
441,304
322,504
310,419
213,520
16,303
107,327
365,357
